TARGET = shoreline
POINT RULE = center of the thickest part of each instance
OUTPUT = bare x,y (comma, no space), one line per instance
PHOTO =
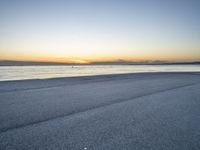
46,72
15,85
104,75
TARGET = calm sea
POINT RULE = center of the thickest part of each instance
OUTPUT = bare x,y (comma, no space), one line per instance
41,72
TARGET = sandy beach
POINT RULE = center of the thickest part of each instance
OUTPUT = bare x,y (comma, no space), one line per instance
125,111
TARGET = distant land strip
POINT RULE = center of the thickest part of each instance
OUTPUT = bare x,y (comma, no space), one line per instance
40,63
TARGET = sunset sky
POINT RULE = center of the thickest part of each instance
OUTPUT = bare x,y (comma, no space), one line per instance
99,30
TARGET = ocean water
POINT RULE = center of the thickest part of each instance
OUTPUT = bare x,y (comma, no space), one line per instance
42,72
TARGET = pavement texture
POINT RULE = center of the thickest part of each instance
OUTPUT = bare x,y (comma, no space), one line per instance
142,111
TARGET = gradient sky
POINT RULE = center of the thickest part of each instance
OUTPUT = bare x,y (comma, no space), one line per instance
99,30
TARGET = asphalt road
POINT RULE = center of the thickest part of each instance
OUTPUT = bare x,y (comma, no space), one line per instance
126,112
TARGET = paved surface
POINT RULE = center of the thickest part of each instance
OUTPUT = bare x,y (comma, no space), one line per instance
131,111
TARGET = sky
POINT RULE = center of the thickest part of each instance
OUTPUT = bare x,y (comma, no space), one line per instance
99,30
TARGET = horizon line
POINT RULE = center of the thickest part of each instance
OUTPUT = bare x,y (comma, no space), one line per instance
116,62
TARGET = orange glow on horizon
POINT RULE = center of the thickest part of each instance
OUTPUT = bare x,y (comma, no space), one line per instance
116,57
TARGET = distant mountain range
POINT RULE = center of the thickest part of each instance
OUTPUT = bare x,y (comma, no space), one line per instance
118,62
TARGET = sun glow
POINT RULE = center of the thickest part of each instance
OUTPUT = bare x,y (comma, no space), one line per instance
83,33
